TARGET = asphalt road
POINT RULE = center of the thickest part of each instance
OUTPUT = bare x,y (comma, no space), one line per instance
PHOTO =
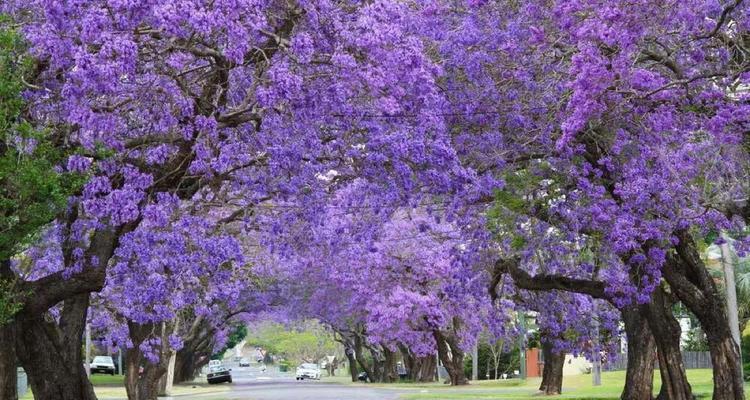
253,384
293,390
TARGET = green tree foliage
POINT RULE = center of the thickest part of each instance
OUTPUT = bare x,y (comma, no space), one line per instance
238,334
508,361
32,188
304,342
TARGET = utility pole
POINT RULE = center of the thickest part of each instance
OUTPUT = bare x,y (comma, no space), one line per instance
437,367
522,345
596,368
119,362
475,362
727,261
88,350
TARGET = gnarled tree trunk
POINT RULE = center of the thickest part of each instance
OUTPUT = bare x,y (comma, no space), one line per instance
353,370
146,385
639,376
452,356
425,369
195,352
552,375
390,374
666,331
8,371
360,356
419,369
378,365
694,286
51,353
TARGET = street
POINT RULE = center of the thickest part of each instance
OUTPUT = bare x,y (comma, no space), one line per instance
253,384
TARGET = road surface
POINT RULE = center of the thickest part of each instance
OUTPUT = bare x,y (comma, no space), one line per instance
253,384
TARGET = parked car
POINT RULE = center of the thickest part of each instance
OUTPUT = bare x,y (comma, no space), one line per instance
237,358
103,364
219,374
244,362
308,370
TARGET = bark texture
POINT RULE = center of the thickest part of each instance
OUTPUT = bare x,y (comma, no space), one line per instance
695,287
419,369
361,361
666,331
353,370
552,375
639,376
51,354
8,371
195,352
146,385
451,356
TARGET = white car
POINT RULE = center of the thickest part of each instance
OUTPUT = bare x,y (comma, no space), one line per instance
308,370
103,364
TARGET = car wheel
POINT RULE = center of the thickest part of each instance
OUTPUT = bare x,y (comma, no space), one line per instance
230,380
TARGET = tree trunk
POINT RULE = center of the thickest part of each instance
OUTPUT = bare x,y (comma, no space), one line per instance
695,287
552,375
353,370
427,369
661,322
167,380
332,366
184,366
390,374
8,371
639,377
666,331
51,353
359,354
725,361
419,369
378,365
195,353
451,356
145,386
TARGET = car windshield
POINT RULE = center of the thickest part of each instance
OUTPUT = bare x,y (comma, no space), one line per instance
103,360
216,369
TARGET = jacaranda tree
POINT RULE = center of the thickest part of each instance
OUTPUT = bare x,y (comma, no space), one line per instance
200,101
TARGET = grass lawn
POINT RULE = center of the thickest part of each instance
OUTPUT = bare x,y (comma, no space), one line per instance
574,387
108,386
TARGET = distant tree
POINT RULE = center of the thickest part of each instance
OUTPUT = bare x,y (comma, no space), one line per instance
305,342
238,334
